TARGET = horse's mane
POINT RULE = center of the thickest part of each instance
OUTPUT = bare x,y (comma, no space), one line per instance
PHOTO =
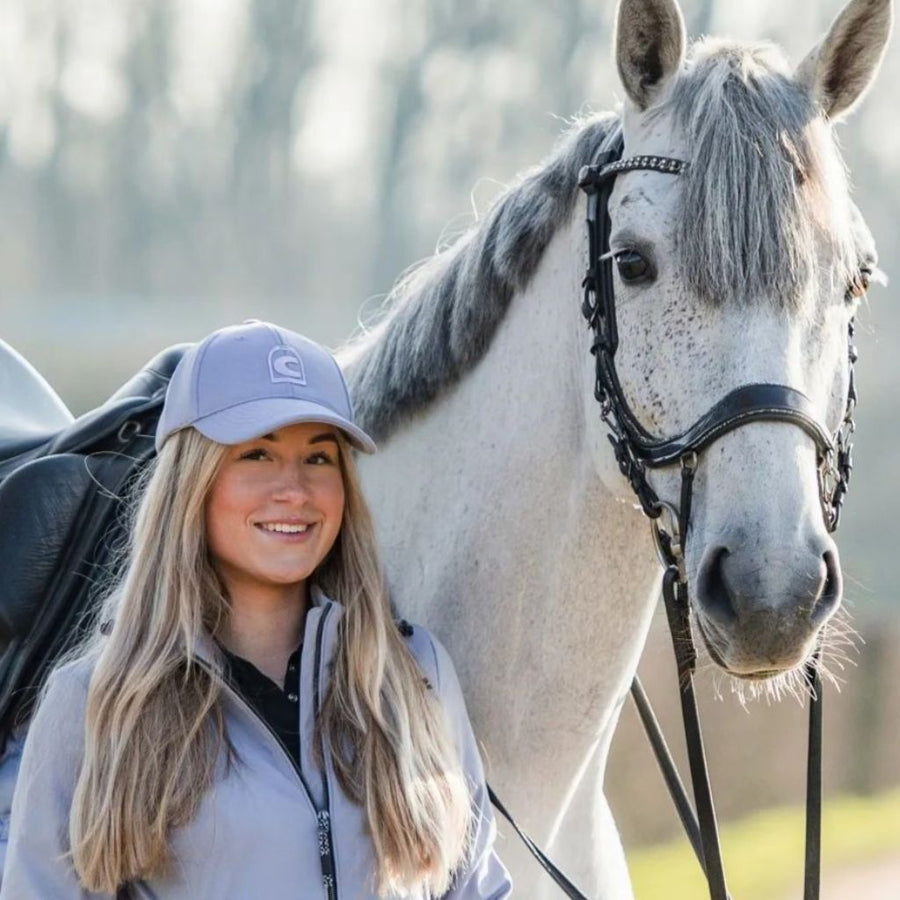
443,315
757,196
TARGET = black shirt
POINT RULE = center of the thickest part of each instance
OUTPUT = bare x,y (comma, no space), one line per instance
278,707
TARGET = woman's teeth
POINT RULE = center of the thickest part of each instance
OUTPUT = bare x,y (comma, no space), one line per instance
283,529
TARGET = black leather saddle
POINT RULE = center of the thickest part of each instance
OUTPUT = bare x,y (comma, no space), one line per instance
62,525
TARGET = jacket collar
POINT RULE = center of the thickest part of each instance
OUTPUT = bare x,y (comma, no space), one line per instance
205,646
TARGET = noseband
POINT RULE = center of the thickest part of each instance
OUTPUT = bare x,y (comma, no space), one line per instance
637,450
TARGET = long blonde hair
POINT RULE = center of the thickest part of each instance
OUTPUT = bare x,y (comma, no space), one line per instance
398,758
155,725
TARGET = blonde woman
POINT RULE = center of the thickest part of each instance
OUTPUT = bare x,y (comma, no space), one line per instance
251,723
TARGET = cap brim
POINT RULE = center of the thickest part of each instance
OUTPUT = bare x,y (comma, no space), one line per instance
258,417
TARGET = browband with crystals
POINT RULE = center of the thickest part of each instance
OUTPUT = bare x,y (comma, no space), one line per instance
591,175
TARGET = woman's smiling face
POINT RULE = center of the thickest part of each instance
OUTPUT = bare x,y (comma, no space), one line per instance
275,508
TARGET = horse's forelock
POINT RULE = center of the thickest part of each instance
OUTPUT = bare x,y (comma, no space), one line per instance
763,179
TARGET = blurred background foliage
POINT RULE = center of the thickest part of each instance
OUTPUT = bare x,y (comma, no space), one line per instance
169,166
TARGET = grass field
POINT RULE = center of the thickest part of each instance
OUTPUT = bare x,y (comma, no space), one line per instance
764,853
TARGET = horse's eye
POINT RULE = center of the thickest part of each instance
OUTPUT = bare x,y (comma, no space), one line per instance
632,266
858,287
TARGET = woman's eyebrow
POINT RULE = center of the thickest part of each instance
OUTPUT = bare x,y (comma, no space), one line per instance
325,436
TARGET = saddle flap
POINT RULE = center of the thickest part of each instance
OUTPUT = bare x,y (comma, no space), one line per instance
39,503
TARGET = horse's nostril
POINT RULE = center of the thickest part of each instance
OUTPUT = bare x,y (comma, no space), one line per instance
831,590
712,588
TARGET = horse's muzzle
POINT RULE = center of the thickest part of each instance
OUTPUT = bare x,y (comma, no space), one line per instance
760,611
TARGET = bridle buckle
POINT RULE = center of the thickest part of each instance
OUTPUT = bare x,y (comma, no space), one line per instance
667,538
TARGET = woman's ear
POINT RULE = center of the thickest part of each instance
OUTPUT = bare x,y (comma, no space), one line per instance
650,46
840,69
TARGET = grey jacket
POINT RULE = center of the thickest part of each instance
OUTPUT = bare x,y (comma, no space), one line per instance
259,831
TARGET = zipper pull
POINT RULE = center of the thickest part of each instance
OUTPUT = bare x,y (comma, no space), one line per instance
325,858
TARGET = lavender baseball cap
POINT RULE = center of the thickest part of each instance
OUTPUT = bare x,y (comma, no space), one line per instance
247,380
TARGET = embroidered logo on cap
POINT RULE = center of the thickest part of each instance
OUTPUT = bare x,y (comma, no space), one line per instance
285,365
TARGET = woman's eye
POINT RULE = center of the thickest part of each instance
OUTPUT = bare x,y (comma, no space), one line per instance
321,458
632,266
858,287
255,453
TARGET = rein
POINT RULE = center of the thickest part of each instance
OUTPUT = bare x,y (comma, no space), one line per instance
636,451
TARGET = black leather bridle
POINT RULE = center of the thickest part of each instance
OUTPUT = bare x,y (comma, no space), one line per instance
636,451
635,448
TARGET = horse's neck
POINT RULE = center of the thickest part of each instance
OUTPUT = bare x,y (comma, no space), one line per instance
499,534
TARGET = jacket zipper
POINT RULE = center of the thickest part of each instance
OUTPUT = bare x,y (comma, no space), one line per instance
323,815
326,842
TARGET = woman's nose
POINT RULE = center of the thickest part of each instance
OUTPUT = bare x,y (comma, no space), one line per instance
291,483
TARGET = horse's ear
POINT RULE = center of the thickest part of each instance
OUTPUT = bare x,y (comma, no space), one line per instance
650,42
840,69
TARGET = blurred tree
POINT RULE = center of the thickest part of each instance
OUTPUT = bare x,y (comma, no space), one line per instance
266,193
